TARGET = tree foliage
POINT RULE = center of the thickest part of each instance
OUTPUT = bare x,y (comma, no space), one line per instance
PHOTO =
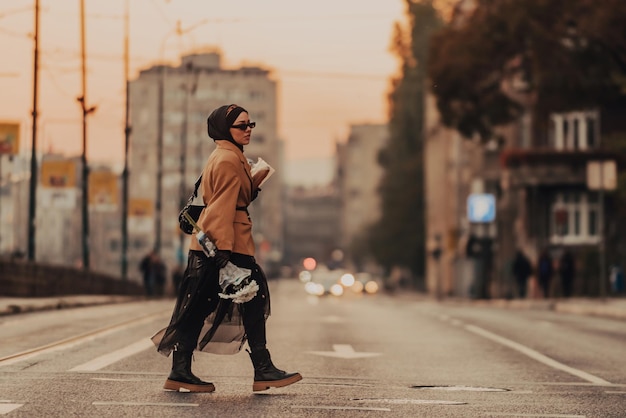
398,238
570,54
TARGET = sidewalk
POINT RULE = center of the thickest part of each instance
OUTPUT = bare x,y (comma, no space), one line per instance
11,305
608,308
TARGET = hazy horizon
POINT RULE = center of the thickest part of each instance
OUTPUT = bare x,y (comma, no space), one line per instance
327,79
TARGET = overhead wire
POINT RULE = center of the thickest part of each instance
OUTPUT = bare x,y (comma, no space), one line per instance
16,11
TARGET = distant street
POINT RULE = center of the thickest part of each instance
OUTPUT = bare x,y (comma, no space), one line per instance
360,356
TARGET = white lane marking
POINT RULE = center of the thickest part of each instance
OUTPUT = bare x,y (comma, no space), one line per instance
414,401
506,414
115,356
142,404
110,379
537,355
5,408
343,351
340,408
74,341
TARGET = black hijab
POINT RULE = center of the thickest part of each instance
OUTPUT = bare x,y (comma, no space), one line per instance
220,121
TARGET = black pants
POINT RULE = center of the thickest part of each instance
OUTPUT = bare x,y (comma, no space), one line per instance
206,300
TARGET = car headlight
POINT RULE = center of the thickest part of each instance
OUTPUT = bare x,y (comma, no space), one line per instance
357,287
336,290
371,287
347,280
315,289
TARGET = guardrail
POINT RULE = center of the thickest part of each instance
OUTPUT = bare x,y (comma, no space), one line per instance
25,279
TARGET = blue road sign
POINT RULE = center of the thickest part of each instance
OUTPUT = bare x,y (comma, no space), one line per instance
481,207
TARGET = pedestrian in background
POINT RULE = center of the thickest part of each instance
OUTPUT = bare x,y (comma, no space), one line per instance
522,269
545,270
616,278
567,270
227,188
159,274
146,267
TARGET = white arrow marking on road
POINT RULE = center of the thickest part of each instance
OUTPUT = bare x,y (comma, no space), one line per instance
344,351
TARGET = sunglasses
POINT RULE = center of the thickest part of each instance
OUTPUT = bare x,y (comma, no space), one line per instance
244,126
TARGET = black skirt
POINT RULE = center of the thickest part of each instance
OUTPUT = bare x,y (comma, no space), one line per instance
198,300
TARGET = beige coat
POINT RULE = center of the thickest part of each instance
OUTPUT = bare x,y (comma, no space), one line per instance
226,184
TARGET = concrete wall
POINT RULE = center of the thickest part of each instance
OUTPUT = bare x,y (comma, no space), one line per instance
22,279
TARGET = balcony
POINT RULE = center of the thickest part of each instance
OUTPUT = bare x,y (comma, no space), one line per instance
550,167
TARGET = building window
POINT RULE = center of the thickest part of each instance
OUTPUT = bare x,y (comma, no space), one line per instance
591,132
575,218
256,95
574,130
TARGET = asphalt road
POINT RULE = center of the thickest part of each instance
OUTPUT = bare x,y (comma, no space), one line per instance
360,356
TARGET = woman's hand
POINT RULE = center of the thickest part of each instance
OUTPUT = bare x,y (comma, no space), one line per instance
221,258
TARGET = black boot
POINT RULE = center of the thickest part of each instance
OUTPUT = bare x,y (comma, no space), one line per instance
266,375
181,379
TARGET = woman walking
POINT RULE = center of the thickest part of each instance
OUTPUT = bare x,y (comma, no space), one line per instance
227,188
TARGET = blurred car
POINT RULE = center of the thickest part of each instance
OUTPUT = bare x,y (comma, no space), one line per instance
365,283
324,282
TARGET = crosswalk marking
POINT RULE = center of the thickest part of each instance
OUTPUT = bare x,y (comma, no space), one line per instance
5,408
115,356
142,404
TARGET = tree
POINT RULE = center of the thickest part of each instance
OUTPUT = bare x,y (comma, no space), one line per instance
567,55
398,238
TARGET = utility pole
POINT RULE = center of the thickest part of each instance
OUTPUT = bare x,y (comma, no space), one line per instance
126,143
159,179
32,212
189,89
86,111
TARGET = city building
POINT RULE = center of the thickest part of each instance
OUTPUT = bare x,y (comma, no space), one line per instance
14,186
58,225
538,194
358,177
189,92
312,222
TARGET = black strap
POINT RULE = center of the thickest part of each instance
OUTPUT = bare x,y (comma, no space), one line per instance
197,185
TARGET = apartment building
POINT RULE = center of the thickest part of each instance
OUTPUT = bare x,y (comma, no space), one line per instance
358,177
189,92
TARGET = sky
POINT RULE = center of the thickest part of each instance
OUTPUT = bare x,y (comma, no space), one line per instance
330,58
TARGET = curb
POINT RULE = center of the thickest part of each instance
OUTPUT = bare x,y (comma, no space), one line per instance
12,306
613,309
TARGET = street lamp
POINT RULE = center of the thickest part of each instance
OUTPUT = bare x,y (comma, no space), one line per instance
161,87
